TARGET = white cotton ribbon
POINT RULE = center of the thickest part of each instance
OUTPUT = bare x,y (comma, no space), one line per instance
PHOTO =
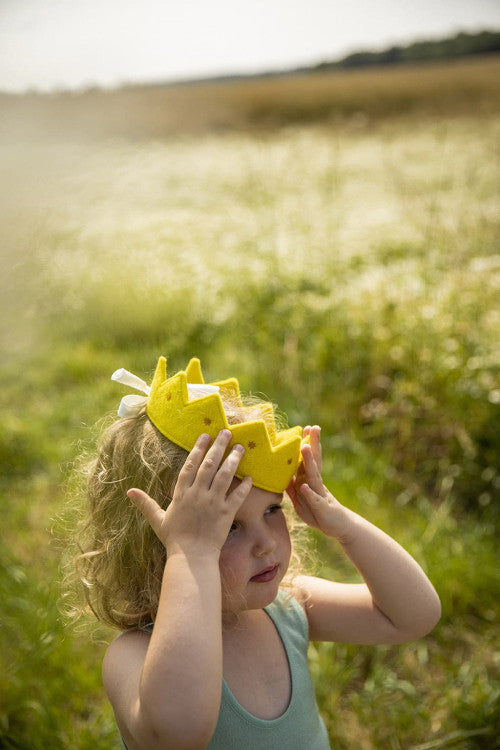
131,405
127,378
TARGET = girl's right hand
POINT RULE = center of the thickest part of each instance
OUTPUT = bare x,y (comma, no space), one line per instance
202,510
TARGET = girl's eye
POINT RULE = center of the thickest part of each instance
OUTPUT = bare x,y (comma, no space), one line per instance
273,509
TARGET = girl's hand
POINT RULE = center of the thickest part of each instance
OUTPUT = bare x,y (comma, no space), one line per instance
202,510
313,502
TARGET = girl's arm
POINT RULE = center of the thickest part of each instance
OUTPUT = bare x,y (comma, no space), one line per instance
396,602
166,689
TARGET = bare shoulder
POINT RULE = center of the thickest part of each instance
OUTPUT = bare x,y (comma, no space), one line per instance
123,662
131,644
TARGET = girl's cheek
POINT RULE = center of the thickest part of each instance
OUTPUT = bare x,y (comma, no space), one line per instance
283,529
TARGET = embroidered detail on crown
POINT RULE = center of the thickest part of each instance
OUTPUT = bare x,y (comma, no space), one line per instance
271,456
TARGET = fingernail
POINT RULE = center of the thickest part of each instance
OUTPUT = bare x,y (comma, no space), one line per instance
204,438
225,433
238,448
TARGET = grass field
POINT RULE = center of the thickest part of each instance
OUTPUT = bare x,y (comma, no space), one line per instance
444,89
348,269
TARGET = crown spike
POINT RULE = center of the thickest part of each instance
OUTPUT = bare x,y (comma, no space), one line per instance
160,373
193,371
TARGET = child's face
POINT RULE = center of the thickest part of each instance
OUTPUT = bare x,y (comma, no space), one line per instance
256,554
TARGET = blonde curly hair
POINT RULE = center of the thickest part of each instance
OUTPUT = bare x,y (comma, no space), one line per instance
120,560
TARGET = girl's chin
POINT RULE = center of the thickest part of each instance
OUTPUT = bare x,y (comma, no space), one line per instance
262,597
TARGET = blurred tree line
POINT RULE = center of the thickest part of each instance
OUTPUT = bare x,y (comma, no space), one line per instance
461,45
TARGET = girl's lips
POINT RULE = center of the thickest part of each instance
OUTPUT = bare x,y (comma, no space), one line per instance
265,575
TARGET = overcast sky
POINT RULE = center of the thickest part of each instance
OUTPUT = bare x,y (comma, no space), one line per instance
51,44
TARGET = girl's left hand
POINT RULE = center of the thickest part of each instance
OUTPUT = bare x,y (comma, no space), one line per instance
313,502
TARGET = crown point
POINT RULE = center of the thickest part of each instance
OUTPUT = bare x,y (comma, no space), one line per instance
193,371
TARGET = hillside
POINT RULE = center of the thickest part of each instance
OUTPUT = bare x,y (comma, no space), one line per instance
461,45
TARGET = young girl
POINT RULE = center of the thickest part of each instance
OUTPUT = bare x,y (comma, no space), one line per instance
214,653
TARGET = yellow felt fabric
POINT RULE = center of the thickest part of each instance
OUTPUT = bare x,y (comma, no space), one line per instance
271,457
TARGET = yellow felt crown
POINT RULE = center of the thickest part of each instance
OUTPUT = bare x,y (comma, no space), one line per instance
271,456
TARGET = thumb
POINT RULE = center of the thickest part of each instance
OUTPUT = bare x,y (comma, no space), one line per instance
291,490
148,507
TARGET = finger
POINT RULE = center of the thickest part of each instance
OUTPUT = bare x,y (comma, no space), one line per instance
226,472
148,507
188,473
212,460
301,509
315,442
312,470
310,496
237,496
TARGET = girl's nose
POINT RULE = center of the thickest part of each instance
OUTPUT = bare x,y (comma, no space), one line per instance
264,542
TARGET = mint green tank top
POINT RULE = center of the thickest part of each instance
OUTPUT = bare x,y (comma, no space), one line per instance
300,727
